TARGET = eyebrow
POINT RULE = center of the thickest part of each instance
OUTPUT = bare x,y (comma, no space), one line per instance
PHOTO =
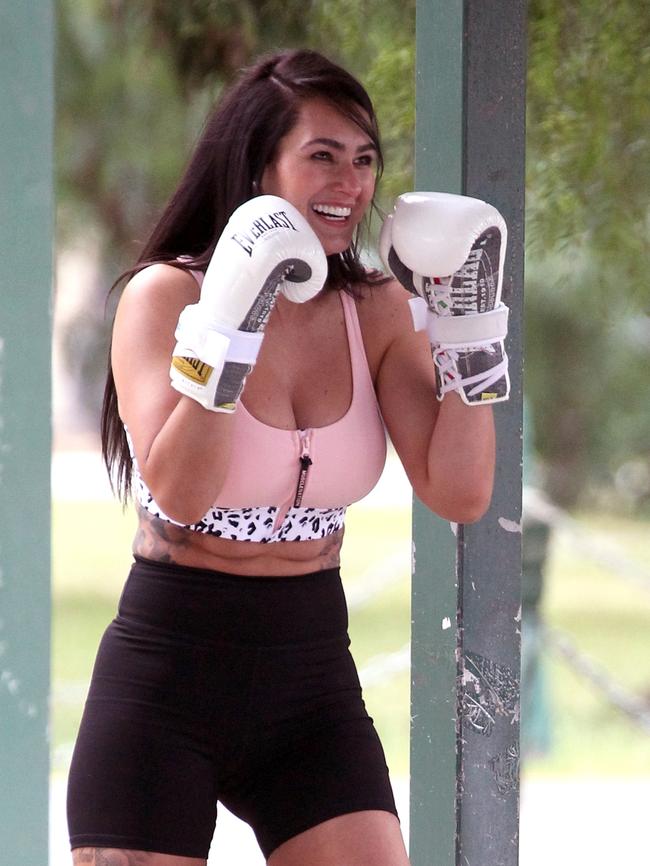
336,145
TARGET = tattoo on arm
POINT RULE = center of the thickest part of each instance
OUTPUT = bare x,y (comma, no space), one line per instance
157,539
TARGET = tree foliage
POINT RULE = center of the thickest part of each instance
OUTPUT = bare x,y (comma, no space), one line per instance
588,245
589,132
135,81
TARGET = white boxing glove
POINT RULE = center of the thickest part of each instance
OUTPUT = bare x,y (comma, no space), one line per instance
266,247
449,250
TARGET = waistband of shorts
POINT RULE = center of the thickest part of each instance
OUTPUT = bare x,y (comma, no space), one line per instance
218,606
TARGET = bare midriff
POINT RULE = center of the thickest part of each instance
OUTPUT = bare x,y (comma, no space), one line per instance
161,541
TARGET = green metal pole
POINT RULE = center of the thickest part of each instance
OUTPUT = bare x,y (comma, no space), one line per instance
26,233
470,101
438,166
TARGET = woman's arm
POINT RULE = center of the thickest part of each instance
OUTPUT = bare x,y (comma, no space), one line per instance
183,444
449,251
182,449
447,448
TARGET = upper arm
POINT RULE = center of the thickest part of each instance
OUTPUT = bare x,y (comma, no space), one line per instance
142,344
404,377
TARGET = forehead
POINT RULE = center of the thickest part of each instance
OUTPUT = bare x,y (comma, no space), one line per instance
319,118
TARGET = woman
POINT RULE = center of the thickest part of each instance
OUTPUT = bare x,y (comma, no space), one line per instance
226,675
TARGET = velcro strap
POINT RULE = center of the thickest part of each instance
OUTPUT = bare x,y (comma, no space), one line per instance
244,345
215,343
419,313
472,329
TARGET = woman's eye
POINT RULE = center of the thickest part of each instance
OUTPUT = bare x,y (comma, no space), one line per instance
366,159
322,154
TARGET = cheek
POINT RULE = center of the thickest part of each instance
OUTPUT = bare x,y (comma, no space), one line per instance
269,183
369,189
283,183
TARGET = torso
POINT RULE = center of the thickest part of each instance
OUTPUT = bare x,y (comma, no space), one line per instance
302,379
162,541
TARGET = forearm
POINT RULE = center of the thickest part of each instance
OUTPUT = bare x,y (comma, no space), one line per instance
460,461
188,460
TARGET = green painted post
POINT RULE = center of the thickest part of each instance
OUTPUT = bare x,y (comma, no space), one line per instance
470,99
438,166
26,235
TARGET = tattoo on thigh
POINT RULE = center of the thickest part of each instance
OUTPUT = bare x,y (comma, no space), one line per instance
111,857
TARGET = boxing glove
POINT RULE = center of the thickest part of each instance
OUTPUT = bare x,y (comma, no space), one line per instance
266,247
448,250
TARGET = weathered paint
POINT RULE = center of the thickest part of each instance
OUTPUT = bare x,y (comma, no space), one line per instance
510,525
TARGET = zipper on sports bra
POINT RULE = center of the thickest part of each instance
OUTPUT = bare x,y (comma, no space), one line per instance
305,463
296,498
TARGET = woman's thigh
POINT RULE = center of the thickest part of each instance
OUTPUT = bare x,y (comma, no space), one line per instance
122,857
371,838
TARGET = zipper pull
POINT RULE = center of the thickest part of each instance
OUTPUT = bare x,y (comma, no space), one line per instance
305,463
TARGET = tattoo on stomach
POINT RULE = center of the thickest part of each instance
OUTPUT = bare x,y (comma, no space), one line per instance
331,553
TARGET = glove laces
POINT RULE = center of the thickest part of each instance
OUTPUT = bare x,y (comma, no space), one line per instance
446,361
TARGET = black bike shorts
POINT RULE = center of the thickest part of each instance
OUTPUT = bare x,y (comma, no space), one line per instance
210,686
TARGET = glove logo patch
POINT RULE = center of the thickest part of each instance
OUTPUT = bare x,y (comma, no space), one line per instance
277,220
475,284
192,368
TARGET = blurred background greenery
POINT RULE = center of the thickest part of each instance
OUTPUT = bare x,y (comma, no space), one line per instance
135,81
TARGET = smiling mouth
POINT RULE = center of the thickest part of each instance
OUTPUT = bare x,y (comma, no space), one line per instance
332,213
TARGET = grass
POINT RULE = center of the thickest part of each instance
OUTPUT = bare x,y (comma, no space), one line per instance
609,618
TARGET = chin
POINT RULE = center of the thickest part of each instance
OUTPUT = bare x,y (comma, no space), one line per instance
332,248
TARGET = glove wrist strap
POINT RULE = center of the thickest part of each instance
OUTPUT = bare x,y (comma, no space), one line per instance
469,330
210,362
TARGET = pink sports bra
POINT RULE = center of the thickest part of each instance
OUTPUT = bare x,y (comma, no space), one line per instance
294,485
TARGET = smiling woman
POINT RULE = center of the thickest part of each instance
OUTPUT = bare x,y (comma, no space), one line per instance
255,367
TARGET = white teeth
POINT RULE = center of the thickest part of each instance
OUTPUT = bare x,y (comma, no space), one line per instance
331,210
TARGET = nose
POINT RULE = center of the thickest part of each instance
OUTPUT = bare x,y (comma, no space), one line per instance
348,180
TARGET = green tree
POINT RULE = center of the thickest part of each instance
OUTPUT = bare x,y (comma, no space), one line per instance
588,189
136,80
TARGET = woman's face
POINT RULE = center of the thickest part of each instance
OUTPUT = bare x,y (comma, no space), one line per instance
326,167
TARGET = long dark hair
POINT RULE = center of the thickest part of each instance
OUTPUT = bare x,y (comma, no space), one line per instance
239,139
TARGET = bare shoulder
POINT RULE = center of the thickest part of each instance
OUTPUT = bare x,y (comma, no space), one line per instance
160,283
152,300
143,340
384,316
